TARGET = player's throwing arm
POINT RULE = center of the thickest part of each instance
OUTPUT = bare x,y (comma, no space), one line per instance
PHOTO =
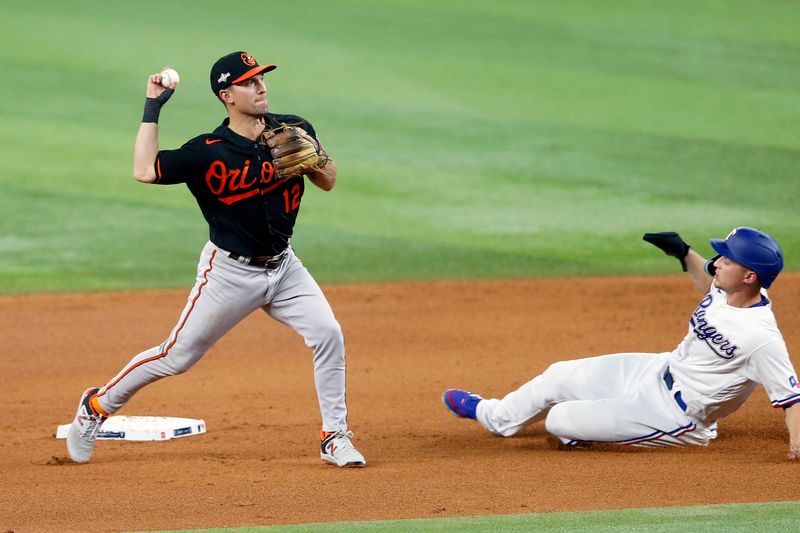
248,177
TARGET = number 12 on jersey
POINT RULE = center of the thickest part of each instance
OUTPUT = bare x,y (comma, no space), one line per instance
291,201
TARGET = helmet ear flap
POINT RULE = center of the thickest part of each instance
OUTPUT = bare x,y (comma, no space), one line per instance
709,266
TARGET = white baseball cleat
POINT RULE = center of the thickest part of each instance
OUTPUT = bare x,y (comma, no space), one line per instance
84,429
337,449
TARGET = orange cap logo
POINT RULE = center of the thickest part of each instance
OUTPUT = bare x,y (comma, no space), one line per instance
248,60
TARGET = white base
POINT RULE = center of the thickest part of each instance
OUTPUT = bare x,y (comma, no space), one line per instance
144,428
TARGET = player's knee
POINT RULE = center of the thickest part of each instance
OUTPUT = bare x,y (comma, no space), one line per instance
557,421
330,334
181,358
183,367
178,365
556,368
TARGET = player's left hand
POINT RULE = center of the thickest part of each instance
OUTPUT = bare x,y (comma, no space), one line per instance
294,151
671,243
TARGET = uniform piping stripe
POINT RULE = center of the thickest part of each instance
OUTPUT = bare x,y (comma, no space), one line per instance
658,434
177,330
791,399
788,404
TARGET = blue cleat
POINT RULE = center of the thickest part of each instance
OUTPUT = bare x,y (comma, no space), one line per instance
462,403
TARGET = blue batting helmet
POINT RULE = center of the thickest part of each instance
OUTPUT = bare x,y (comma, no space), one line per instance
754,249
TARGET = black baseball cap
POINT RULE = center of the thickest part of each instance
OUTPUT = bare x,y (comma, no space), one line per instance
235,68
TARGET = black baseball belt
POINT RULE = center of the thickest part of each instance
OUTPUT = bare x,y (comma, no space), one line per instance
270,262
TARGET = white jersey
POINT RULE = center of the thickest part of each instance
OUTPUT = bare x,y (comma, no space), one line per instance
726,353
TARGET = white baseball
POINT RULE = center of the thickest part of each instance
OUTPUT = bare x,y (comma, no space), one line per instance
169,76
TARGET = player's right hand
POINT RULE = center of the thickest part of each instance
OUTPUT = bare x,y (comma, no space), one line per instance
156,90
157,96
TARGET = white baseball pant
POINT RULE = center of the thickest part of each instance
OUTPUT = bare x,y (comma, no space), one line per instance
619,399
226,291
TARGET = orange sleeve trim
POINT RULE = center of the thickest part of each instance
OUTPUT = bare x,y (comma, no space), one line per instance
158,169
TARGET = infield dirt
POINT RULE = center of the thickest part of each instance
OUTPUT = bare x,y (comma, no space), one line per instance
259,462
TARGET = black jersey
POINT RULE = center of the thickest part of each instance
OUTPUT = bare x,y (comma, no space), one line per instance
249,211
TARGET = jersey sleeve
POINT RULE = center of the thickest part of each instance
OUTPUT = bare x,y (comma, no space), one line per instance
770,366
309,128
178,166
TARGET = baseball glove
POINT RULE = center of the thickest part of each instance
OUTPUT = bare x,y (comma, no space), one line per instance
294,152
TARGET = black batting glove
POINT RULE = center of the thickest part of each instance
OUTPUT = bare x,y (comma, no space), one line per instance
671,243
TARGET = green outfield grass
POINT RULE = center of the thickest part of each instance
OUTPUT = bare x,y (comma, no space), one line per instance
474,139
766,517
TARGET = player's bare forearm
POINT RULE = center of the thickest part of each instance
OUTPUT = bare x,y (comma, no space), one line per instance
695,267
793,425
145,150
325,178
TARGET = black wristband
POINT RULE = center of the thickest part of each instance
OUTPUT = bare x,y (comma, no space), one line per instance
152,106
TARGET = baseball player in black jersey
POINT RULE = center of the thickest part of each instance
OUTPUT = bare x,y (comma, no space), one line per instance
247,177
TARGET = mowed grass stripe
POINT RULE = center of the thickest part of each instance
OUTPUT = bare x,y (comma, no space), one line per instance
473,140
764,517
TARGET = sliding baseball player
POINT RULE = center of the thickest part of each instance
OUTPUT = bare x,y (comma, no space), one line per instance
676,398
